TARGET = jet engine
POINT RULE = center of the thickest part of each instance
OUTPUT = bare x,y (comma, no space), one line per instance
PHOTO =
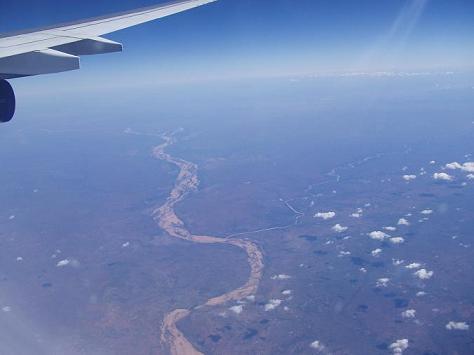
7,101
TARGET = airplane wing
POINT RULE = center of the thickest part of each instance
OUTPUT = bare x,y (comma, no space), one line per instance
57,49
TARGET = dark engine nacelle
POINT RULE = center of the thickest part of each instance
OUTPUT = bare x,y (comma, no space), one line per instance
7,101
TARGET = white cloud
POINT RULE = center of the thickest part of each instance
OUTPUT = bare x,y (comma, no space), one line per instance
432,162
68,262
12,217
413,266
443,177
19,259
457,326
344,253
325,215
317,345
420,294
409,177
272,304
63,263
409,313
468,166
397,240
363,269
453,166
397,262
403,222
338,228
6,309
251,298
470,176
391,229
399,346
382,282
378,235
423,274
281,277
286,292
358,215
376,252
126,244
237,309
426,212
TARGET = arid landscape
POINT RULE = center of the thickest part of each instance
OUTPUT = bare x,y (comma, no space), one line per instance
244,228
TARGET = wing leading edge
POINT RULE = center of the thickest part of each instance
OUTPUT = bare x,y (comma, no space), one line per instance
57,49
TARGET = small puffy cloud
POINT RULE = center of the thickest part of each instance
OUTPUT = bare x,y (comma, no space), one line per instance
409,177
363,269
325,215
19,259
286,292
457,326
391,229
403,222
272,304
397,262
378,235
470,176
443,177
338,228
281,277
426,212
237,309
376,252
358,215
409,313
63,263
423,274
420,294
317,345
382,282
344,253
251,298
126,245
12,217
6,309
453,166
68,262
432,162
399,346
413,266
468,166
397,240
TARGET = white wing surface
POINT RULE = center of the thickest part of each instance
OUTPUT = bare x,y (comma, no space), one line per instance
56,49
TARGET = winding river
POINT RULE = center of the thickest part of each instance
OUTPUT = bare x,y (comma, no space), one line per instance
187,181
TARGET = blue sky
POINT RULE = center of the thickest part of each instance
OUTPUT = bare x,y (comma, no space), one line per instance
253,38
